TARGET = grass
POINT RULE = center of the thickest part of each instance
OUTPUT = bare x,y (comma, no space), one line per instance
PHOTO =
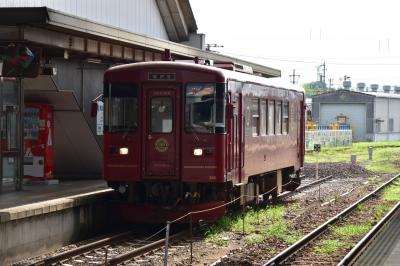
392,193
343,235
329,246
259,225
254,238
350,230
381,211
362,207
385,155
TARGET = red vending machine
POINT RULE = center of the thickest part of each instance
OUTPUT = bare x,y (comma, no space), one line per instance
38,141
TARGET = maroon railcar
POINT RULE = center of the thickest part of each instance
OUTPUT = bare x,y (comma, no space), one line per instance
182,137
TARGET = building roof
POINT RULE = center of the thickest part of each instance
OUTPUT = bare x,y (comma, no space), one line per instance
382,94
178,19
370,93
53,28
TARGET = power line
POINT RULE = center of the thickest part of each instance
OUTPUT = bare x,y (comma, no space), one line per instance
314,62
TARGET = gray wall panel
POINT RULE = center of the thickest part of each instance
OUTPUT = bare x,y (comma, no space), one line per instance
347,97
68,76
355,112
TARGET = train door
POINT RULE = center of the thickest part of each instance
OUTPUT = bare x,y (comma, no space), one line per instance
241,129
230,125
233,158
161,145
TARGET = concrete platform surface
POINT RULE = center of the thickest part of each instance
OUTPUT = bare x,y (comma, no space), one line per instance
33,193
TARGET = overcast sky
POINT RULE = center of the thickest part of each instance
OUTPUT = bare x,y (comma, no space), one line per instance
357,38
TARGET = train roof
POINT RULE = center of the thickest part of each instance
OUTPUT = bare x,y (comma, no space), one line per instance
228,74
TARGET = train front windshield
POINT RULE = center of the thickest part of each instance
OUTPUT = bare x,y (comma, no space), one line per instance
205,108
120,108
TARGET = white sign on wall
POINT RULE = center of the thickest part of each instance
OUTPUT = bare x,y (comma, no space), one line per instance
100,118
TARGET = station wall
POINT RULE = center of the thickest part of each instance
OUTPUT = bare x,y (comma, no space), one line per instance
77,148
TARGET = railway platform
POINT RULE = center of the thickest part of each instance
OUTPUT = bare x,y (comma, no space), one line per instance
385,250
40,191
44,217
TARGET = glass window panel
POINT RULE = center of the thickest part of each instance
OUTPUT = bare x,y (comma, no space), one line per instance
278,117
255,113
123,114
285,118
271,117
161,115
263,114
200,108
120,108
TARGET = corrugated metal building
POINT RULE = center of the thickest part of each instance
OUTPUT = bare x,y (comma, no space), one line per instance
166,20
133,15
373,116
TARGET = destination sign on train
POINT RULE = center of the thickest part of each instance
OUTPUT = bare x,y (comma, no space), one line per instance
162,76
200,90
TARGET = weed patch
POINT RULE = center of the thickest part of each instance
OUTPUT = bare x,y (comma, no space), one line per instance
351,230
255,221
392,193
254,239
329,246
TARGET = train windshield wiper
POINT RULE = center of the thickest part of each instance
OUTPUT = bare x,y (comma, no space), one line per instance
128,129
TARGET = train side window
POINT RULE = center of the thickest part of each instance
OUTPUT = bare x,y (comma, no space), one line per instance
271,117
285,117
263,114
255,117
161,115
278,117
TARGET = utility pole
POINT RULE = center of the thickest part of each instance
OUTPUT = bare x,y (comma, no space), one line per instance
293,77
323,75
330,83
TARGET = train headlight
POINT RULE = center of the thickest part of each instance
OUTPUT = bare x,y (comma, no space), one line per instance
198,152
123,151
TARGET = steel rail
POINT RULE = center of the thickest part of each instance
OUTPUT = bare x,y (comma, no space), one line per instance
285,254
82,249
144,249
359,248
304,187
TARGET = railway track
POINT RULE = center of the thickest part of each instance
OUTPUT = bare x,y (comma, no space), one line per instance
304,187
109,250
124,246
289,252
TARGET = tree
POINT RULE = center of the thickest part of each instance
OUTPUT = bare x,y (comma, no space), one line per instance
314,88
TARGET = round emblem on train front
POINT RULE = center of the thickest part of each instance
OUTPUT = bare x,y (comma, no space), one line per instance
161,145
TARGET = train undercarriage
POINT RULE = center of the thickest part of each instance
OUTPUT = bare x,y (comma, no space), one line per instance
156,201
